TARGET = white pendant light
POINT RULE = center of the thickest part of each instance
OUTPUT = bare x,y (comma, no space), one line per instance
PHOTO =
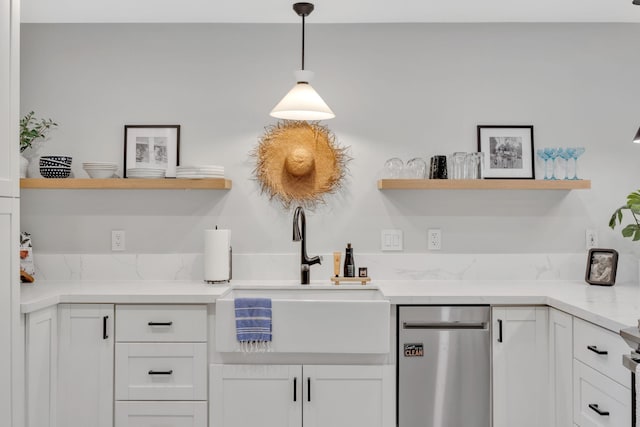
302,102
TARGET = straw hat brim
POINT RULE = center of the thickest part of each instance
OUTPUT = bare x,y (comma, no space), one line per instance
299,162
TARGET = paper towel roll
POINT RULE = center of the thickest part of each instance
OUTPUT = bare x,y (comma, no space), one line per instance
217,255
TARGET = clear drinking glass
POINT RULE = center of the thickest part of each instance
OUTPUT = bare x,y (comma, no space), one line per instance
458,160
416,168
393,168
473,165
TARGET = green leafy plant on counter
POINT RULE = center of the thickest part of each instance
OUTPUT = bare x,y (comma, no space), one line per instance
33,129
633,205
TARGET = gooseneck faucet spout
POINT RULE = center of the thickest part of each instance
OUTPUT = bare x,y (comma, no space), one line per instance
300,235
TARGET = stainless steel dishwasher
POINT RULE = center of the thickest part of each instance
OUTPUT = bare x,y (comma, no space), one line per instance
444,366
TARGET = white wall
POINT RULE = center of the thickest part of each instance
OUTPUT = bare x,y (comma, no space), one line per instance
397,90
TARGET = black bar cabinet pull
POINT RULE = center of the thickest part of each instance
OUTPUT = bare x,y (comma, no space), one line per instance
594,348
104,328
308,389
161,372
499,330
594,407
160,323
295,389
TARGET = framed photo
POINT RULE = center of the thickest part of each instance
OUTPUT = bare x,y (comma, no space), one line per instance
152,146
508,151
601,267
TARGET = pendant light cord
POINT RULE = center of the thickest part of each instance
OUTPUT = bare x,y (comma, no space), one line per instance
303,41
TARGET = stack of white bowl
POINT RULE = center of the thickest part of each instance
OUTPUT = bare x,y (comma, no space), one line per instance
200,171
145,173
100,169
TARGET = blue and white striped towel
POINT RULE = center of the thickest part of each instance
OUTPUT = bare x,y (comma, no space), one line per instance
253,324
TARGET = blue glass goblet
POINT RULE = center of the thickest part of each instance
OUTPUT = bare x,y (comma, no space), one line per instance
545,157
579,151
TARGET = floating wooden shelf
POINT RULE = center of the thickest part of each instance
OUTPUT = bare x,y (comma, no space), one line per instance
483,184
361,280
126,184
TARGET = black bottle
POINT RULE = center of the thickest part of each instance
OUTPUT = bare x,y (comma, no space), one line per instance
349,265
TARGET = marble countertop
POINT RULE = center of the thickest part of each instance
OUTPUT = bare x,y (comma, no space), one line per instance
613,307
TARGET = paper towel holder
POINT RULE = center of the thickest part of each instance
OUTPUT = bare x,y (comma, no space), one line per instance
214,282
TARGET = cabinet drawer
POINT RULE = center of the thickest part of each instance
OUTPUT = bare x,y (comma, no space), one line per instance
591,388
589,339
166,414
159,371
161,323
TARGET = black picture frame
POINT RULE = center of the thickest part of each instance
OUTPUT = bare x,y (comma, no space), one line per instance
509,152
602,265
152,146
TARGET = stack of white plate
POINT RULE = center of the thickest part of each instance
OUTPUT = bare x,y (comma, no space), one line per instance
145,173
100,169
201,171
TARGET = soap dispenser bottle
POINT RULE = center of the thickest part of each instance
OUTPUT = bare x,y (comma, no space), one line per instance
349,265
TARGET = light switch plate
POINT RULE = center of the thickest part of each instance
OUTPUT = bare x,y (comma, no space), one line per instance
391,240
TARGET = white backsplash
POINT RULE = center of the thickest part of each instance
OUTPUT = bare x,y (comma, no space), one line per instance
415,266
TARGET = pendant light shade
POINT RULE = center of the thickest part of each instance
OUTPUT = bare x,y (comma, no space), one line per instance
637,137
302,102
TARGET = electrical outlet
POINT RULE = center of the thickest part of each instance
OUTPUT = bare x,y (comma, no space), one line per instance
434,239
591,238
117,240
391,240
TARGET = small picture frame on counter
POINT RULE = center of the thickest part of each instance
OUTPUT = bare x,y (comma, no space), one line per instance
508,151
152,146
601,267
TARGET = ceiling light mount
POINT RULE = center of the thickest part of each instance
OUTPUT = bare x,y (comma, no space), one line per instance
303,9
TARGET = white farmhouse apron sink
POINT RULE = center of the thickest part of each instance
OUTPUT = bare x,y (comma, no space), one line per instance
313,319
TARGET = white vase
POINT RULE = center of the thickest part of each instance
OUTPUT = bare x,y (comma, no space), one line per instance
24,165
33,171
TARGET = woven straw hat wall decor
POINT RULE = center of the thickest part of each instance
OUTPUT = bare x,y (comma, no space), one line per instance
298,162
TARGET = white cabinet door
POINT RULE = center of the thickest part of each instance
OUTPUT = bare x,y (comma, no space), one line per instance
560,368
599,401
9,86
255,395
85,380
41,367
520,366
11,350
348,395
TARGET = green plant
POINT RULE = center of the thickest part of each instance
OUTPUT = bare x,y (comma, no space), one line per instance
32,129
633,206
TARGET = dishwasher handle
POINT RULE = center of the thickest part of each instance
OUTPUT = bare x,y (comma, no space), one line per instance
444,325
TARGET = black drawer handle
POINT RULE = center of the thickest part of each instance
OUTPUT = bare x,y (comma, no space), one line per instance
295,389
594,348
160,323
161,372
308,389
594,407
499,330
104,327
